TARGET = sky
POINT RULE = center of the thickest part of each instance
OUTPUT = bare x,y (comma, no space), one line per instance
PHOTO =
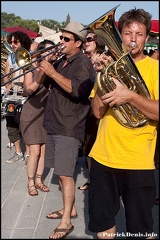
84,12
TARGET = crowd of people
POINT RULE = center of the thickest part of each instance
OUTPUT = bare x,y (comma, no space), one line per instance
65,109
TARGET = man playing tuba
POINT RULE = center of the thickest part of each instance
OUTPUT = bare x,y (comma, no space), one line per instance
123,157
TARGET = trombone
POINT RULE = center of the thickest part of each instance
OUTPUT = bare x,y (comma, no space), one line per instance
24,59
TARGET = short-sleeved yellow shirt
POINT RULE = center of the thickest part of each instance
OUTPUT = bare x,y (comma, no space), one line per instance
120,147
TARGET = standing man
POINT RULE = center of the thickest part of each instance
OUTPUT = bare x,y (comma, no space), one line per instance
65,118
16,40
123,158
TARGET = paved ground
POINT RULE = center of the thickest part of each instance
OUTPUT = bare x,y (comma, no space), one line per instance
24,217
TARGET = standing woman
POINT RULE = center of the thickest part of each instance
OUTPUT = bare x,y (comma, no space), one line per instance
93,49
31,124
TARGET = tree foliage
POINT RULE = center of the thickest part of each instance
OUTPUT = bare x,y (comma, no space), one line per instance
28,24
7,20
10,20
68,19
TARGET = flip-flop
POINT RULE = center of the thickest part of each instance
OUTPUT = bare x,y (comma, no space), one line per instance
66,231
84,186
59,215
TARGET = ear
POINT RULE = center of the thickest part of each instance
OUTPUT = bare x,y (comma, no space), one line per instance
146,39
79,43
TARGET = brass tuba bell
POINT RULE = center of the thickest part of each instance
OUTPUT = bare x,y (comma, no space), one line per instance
121,67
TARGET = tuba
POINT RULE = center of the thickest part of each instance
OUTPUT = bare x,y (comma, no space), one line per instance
121,67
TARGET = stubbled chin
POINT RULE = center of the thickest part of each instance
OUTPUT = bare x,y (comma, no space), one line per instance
134,55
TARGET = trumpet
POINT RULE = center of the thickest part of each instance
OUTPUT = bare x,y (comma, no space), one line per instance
24,59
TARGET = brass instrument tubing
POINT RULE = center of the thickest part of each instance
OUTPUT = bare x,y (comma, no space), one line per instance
32,69
33,55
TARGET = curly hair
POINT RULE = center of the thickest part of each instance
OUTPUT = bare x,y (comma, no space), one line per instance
22,37
136,15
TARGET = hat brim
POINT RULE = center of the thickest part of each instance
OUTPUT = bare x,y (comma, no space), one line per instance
81,38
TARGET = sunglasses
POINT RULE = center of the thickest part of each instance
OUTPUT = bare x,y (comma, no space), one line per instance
66,39
89,39
15,42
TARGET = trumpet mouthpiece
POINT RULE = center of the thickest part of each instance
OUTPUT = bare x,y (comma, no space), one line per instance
62,47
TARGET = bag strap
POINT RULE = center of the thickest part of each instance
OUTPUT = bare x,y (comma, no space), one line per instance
34,93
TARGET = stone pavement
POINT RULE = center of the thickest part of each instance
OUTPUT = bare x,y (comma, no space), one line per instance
24,216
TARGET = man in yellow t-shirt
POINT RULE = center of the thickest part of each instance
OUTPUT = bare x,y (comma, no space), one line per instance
123,157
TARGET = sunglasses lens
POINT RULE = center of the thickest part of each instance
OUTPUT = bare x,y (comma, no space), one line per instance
66,39
15,42
89,39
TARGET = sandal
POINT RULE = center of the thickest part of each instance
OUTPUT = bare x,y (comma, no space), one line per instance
61,233
32,191
57,215
41,186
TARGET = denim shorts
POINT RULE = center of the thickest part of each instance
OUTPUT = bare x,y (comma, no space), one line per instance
137,191
61,153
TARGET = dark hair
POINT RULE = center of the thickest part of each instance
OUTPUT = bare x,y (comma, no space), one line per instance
76,38
48,82
42,45
100,46
22,37
136,15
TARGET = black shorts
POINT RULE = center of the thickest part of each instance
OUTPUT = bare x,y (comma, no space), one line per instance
14,133
137,190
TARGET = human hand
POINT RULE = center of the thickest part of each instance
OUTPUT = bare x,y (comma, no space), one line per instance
102,61
120,95
47,68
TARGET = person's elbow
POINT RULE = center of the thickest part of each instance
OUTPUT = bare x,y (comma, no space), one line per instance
96,113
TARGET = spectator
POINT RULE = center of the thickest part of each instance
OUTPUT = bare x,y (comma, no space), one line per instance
35,43
94,47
